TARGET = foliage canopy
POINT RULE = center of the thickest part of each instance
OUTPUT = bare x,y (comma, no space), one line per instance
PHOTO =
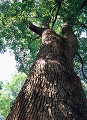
9,93
16,35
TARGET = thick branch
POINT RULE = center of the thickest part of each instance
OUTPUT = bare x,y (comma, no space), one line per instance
37,30
56,14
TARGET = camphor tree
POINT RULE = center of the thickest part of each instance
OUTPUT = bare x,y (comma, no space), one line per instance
52,90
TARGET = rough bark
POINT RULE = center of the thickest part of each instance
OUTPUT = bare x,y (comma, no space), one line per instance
71,41
52,90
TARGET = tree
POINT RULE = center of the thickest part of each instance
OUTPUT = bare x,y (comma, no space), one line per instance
52,90
9,93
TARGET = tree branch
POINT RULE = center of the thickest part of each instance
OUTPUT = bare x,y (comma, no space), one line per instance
82,64
56,14
84,4
80,7
81,24
36,37
37,30
54,8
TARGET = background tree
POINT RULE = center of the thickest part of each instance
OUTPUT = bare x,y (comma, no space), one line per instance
52,89
9,93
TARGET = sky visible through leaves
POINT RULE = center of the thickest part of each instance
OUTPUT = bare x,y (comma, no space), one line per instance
7,66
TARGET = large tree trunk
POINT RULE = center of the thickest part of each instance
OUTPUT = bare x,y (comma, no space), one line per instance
52,90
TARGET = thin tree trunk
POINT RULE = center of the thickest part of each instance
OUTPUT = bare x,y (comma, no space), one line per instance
52,90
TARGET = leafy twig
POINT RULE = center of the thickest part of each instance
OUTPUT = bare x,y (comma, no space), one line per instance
36,37
77,12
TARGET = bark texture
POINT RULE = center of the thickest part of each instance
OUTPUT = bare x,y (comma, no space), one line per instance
52,90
